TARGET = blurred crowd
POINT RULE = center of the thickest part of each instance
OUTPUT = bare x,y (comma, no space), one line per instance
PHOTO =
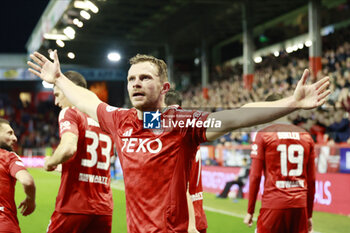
34,122
328,124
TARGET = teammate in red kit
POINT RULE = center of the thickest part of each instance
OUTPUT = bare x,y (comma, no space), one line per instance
195,188
84,202
285,153
156,163
12,169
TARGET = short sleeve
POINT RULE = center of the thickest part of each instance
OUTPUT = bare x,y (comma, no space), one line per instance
257,148
107,117
15,164
68,121
197,125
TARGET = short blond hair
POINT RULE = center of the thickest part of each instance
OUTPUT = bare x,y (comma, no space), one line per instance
160,64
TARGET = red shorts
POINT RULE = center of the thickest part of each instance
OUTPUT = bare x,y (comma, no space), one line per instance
203,231
79,223
8,224
292,220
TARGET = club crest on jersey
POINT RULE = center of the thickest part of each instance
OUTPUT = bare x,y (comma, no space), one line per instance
151,120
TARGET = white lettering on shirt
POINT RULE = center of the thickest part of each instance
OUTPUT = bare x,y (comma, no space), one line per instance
288,135
93,178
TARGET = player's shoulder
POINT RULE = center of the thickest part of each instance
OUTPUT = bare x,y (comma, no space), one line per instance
7,156
68,112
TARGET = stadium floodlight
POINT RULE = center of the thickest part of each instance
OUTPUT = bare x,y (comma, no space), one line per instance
114,56
70,32
295,47
71,55
51,54
197,61
300,45
92,6
52,36
258,59
78,22
86,5
81,5
289,49
308,43
47,85
276,53
60,43
85,14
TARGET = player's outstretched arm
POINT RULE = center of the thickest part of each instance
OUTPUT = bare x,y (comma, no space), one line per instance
85,100
27,206
306,96
65,150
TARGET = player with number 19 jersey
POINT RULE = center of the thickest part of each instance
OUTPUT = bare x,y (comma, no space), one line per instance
85,180
285,153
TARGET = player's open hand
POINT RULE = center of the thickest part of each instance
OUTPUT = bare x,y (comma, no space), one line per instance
27,206
44,68
313,95
248,220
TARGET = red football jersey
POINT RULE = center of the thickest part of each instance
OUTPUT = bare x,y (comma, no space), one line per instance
156,166
196,192
85,180
285,153
10,164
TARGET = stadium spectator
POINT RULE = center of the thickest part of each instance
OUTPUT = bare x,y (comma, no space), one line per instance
240,180
12,169
159,159
84,202
195,189
285,153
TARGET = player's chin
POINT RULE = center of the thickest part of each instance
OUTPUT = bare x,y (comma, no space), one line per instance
138,104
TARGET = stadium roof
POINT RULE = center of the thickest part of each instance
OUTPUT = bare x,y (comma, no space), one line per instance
140,26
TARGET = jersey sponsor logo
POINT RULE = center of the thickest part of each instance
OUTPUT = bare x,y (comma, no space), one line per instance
127,133
288,135
151,120
93,178
65,126
92,122
19,163
289,184
111,108
144,145
197,196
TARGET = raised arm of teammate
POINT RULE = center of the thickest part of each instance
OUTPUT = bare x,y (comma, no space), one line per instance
85,100
27,206
65,150
305,97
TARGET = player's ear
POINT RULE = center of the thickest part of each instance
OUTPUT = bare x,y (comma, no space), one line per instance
166,87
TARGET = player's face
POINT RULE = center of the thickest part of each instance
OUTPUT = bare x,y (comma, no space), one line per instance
144,86
60,99
7,137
